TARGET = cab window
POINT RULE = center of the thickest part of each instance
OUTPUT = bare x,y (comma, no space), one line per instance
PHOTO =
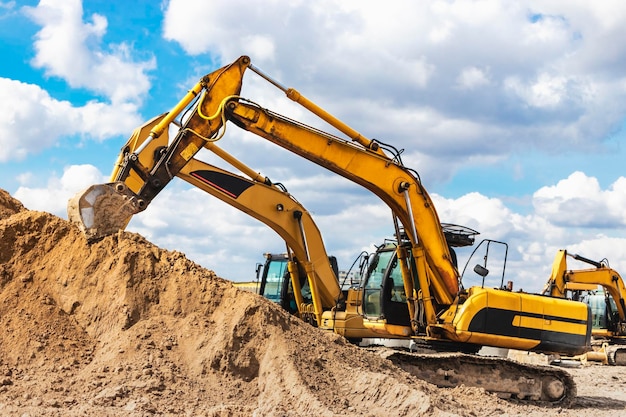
374,284
276,274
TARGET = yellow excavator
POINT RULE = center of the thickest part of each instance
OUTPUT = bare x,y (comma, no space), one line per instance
431,304
603,289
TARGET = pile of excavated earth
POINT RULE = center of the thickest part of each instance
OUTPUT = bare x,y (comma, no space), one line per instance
121,327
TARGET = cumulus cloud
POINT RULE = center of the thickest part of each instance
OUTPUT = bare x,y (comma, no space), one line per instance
579,201
472,77
69,48
31,120
370,62
546,91
598,248
576,214
54,196
489,216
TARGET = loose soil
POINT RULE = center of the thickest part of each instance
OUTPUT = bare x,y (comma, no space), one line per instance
121,327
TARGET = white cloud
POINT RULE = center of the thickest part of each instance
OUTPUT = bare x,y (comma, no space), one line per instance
579,201
31,120
489,216
545,92
53,198
69,48
598,248
616,199
575,214
519,75
472,77
546,30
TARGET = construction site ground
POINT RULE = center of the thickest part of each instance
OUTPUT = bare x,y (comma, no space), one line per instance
121,327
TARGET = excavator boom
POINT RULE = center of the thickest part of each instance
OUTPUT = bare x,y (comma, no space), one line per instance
382,175
282,213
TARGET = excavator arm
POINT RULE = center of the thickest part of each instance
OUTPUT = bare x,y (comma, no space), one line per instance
383,176
330,308
608,309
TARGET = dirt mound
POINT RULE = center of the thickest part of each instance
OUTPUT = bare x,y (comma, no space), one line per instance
122,327
9,205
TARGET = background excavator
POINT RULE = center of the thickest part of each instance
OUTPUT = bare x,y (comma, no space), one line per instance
603,289
434,307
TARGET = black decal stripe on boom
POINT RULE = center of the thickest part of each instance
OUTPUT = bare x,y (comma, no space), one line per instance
228,184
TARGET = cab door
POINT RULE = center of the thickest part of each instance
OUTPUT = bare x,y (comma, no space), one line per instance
394,302
383,293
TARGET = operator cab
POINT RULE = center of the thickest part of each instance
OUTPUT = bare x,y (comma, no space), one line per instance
383,293
384,296
604,313
275,282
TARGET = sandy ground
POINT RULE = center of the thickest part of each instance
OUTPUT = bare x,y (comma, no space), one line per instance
124,328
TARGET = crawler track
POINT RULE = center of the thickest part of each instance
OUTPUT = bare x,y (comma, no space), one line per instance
506,378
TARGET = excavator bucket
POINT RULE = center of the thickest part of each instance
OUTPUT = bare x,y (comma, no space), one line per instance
102,209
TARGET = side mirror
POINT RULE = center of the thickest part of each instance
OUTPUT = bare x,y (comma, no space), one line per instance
481,270
259,268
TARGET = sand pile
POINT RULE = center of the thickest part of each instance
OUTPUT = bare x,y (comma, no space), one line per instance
122,327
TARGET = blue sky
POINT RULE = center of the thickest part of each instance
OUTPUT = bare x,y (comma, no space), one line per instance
512,112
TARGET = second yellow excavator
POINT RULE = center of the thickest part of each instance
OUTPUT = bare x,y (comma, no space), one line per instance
603,289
